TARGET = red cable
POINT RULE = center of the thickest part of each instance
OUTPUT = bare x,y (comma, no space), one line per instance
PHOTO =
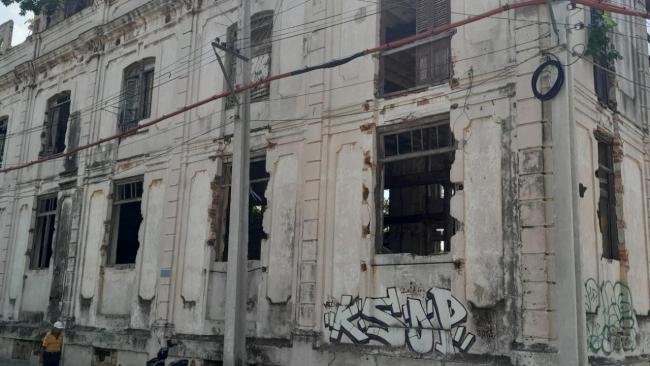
383,47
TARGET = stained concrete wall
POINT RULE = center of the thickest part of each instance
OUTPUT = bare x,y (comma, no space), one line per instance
319,287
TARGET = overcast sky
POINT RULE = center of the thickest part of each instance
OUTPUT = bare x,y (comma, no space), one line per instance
11,12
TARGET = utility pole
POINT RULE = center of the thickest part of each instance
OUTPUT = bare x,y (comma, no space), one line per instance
570,317
234,346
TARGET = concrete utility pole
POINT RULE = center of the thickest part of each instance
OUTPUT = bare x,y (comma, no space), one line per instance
234,347
570,317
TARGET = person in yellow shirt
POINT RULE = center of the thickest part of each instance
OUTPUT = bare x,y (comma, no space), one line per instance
52,345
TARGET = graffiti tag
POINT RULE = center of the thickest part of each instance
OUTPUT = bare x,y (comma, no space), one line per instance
611,320
422,326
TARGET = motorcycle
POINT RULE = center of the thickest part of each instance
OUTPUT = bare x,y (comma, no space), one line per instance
160,358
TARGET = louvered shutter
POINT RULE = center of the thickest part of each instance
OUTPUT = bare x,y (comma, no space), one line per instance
61,126
131,103
432,59
53,121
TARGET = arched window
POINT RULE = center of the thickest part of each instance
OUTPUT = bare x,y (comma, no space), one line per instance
56,124
137,87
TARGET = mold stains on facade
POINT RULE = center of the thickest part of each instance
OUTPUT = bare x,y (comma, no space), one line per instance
429,189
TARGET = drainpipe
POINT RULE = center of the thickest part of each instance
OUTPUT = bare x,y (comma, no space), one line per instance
570,316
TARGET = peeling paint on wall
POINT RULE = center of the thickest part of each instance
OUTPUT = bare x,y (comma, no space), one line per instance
424,325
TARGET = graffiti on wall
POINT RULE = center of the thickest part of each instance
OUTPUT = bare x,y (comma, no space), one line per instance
611,320
423,325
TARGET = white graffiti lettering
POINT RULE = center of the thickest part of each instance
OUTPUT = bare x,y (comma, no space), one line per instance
424,325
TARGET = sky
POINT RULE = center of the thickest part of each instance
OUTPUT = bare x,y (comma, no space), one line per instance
11,12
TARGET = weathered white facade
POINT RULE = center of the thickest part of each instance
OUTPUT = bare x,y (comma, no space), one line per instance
322,292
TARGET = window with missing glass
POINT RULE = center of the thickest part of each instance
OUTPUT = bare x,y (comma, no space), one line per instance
44,232
4,121
607,200
56,124
126,220
413,199
420,64
257,205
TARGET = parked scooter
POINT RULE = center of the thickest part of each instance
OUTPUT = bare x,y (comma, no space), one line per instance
159,360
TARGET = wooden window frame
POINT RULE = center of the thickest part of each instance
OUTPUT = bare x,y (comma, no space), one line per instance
261,49
55,127
606,178
44,233
383,159
428,52
138,101
118,202
225,182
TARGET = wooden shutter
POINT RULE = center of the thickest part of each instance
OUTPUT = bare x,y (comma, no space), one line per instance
131,102
52,122
3,137
432,59
61,126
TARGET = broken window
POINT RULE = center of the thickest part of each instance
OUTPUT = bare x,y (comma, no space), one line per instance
71,7
54,13
137,89
261,32
104,357
44,234
607,200
257,204
127,216
420,64
603,79
415,188
4,121
56,124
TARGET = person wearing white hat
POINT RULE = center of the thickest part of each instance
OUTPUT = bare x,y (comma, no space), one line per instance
52,345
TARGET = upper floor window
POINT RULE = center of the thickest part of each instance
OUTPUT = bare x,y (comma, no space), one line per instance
137,88
44,235
420,64
607,201
126,220
257,204
64,10
604,81
4,121
261,46
414,188
56,124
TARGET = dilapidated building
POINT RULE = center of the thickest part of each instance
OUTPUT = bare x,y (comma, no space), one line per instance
407,207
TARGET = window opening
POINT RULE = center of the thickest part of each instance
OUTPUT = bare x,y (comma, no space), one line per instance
423,63
44,234
127,217
415,189
137,89
607,200
257,205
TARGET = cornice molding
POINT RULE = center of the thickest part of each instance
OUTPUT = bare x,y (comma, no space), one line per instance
93,41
